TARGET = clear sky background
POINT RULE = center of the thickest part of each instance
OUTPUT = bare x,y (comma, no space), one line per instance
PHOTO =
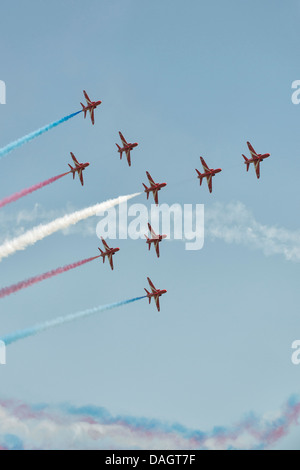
183,79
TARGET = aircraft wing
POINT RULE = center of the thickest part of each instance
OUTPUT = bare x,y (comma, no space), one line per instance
74,159
92,115
110,258
122,138
209,183
205,166
251,149
151,285
80,176
87,97
128,157
157,303
150,178
155,195
104,243
152,231
157,248
257,168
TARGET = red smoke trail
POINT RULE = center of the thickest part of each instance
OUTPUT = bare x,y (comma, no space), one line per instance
34,280
25,192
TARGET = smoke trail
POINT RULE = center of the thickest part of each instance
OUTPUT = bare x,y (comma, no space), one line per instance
25,192
42,231
42,277
22,334
27,138
235,223
91,427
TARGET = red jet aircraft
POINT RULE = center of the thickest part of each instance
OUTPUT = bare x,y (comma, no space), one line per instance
208,174
155,239
127,147
154,188
109,252
79,168
257,158
91,105
155,293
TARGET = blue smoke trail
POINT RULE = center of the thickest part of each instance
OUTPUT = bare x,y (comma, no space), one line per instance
22,334
18,143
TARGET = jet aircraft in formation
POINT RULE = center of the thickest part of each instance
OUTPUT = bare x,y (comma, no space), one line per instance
127,147
256,159
109,252
208,174
155,239
154,188
79,168
90,106
155,293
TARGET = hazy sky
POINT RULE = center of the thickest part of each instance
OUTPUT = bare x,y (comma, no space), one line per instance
182,79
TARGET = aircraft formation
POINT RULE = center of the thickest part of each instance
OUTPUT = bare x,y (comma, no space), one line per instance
154,188
126,147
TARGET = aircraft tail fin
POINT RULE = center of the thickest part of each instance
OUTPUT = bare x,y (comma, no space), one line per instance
246,162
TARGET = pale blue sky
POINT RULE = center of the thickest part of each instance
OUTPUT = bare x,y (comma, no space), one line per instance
183,79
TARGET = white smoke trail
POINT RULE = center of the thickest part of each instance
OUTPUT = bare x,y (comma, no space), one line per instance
42,231
234,223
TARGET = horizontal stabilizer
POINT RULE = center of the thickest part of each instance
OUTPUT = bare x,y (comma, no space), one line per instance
84,109
148,293
200,176
73,170
146,190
